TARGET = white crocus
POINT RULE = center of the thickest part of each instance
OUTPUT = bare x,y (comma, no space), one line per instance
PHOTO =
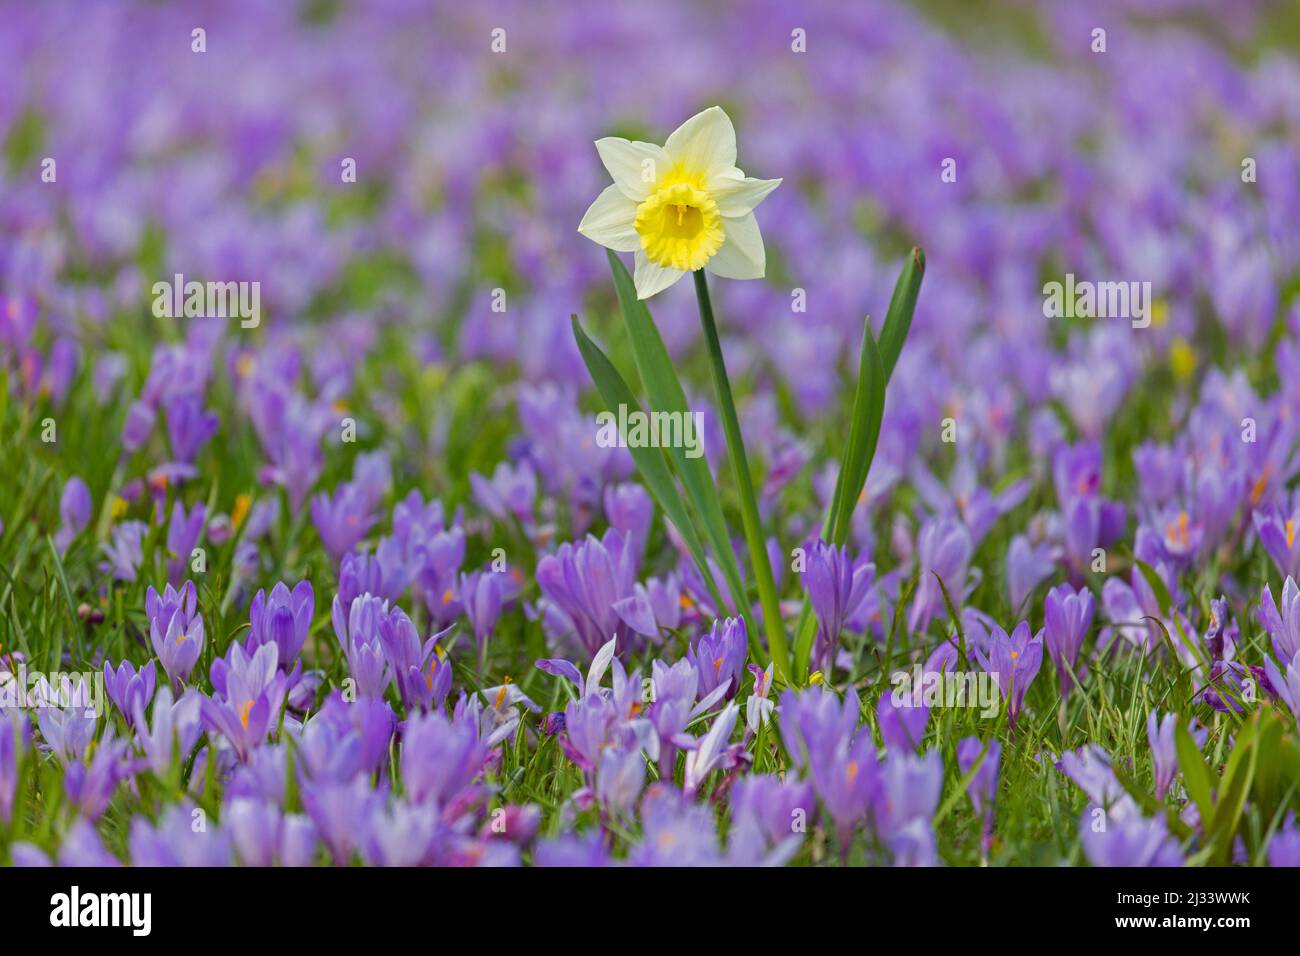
681,206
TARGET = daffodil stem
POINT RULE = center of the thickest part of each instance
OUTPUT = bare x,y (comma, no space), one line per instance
772,624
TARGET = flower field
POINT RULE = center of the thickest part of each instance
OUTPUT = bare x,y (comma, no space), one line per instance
686,434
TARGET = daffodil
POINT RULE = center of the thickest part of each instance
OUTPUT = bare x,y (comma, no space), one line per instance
680,207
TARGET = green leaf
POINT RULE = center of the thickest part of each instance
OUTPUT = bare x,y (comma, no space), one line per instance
650,462
864,433
1196,776
665,393
902,305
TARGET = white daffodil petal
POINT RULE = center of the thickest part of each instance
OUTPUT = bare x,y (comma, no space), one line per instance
737,195
609,221
651,278
741,255
635,167
704,143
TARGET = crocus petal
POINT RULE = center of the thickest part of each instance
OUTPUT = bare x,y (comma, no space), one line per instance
609,221
742,255
705,142
634,166
651,278
636,613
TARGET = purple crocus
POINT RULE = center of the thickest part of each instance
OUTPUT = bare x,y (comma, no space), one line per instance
90,785
590,595
1284,848
837,589
189,426
1013,660
249,695
1282,622
1277,535
943,550
629,509
264,835
173,731
282,619
422,674
74,512
719,656
481,593
1067,617
984,785
902,722
440,759
358,633
128,688
344,519
175,630
176,842
15,736
183,533
1128,840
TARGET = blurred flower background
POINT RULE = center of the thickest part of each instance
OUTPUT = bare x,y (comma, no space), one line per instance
411,415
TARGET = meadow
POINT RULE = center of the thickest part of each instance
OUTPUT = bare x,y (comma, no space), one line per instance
678,434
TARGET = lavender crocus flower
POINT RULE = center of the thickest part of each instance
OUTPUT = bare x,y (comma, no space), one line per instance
398,835
481,594
129,689
902,725
629,509
1286,685
1128,840
1282,622
15,736
90,785
837,589
1027,566
944,551
175,630
74,512
1277,535
282,619
251,693
984,785
1284,848
177,842
173,731
422,675
1067,617
264,835
344,519
719,656
440,758
183,533
1013,660
358,633
189,426
590,595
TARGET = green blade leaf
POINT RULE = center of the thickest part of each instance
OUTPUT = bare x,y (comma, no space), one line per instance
1196,776
650,462
665,392
864,433
898,320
